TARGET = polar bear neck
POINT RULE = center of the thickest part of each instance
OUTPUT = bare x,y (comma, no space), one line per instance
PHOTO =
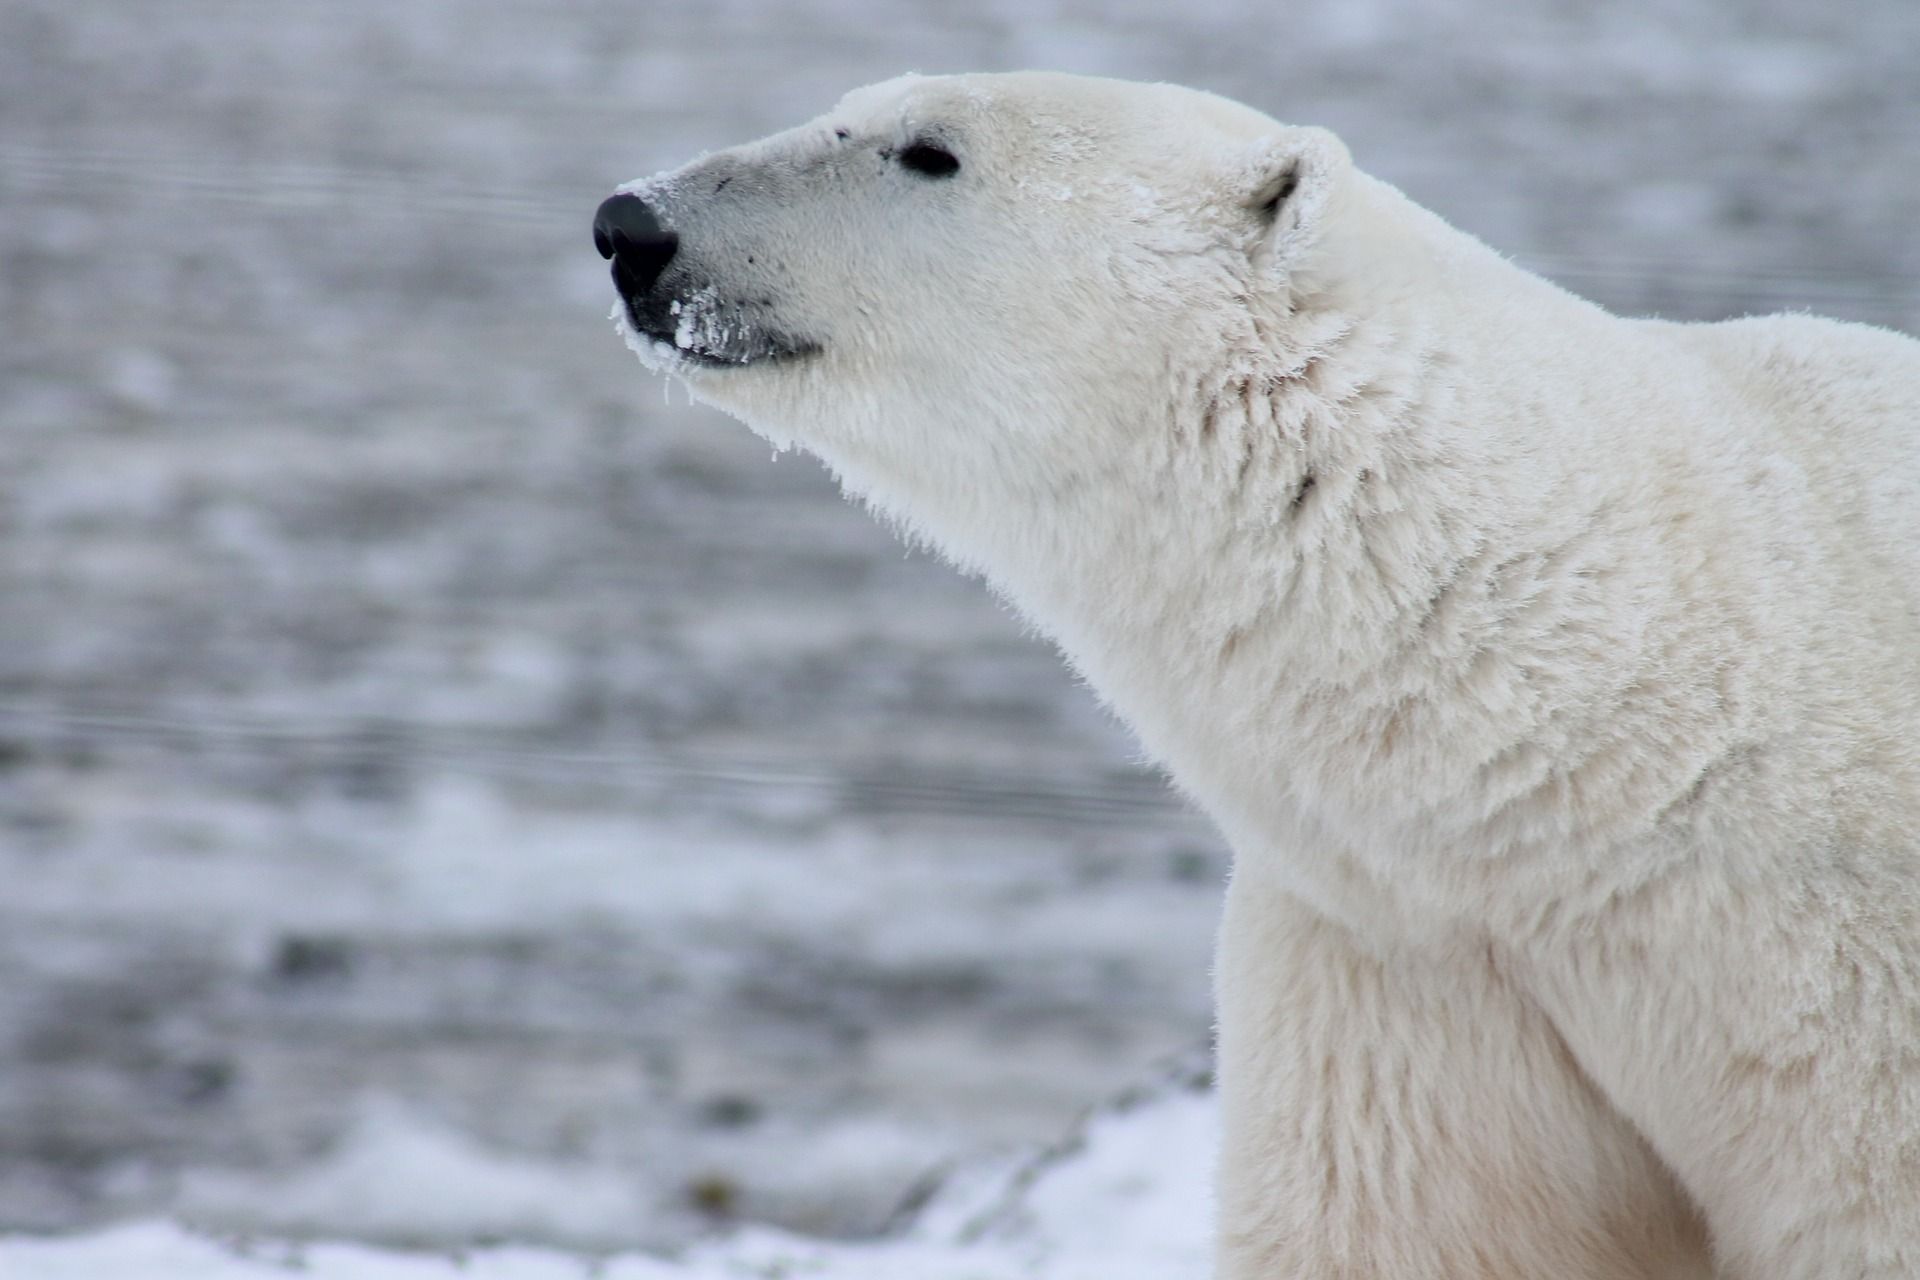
1332,586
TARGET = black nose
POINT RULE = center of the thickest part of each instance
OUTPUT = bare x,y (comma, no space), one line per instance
628,231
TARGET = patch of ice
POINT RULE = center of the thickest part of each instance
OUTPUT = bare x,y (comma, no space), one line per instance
166,1251
1125,1198
399,1177
140,379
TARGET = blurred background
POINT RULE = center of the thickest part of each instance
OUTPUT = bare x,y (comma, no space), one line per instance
452,789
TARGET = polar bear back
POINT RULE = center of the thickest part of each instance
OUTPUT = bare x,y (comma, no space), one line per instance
1844,402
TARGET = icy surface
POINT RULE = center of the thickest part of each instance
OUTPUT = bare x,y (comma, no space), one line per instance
427,742
1124,1199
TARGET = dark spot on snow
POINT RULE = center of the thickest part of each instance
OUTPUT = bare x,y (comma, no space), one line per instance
308,958
714,1194
729,1111
1193,866
721,185
199,1083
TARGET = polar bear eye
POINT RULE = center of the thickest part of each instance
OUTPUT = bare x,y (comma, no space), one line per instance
928,160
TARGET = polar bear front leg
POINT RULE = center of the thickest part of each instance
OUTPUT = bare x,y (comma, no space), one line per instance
1765,1036
1410,1116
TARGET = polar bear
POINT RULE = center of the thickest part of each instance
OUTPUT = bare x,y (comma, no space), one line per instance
1555,677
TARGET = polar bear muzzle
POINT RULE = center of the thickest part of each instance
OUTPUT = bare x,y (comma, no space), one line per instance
681,318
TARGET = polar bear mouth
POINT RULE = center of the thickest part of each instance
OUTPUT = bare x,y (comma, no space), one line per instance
703,332
727,352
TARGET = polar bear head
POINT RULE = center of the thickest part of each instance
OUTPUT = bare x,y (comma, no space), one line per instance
982,284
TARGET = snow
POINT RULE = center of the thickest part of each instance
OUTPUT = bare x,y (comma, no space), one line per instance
155,1250
397,1175
1125,1198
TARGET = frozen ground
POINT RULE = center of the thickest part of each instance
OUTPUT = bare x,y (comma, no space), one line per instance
424,744
1123,1199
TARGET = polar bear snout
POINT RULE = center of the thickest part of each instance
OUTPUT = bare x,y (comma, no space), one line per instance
628,232
687,308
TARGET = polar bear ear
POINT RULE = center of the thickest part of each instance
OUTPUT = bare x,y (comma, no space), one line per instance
1289,183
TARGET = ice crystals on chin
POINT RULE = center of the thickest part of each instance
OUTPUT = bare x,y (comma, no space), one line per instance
705,331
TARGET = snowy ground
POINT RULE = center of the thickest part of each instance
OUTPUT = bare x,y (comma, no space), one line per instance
1123,1199
425,745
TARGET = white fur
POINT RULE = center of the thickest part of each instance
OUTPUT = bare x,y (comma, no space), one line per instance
1555,676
